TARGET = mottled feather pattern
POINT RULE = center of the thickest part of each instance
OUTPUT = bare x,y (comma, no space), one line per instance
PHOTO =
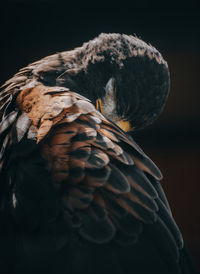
88,158
77,194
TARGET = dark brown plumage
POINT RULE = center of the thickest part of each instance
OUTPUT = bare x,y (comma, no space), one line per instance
77,193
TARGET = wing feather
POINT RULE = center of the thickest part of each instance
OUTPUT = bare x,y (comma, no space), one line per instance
107,185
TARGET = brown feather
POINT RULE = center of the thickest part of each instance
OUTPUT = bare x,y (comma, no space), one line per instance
129,209
76,169
108,134
156,174
97,159
97,178
84,107
79,143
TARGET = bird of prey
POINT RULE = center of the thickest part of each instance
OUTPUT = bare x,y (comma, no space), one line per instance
77,194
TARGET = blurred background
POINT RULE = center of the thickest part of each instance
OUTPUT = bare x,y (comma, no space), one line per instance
30,30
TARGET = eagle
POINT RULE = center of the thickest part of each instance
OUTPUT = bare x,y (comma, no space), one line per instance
77,194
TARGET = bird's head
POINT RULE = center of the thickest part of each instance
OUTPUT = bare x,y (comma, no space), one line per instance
127,79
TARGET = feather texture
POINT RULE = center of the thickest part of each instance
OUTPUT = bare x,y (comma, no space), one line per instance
96,168
77,194
106,183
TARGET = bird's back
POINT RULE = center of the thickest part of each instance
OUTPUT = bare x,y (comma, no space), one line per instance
77,194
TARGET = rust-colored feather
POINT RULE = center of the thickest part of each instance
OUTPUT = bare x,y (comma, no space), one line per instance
108,134
97,159
86,156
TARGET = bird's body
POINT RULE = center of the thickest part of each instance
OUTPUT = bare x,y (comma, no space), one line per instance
77,194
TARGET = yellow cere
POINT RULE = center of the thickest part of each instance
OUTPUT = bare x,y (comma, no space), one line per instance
124,125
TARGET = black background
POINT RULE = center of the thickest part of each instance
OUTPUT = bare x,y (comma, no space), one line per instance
30,30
